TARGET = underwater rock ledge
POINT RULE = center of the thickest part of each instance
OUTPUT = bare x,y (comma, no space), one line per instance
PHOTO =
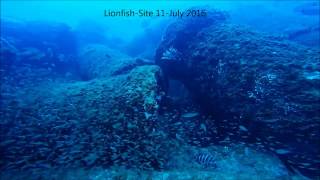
94,123
262,82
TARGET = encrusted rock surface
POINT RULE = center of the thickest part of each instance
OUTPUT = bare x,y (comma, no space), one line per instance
263,82
85,123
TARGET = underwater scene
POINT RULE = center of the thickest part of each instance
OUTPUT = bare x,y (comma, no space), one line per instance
160,90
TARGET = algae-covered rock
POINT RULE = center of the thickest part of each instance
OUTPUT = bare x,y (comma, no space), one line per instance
233,164
33,52
99,61
50,37
263,82
99,122
51,117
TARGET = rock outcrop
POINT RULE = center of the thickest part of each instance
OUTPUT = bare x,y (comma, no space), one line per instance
264,82
100,61
102,122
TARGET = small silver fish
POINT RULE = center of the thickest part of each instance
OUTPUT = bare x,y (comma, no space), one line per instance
190,115
203,127
282,151
242,128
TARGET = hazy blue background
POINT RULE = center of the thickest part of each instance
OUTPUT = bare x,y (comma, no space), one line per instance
270,15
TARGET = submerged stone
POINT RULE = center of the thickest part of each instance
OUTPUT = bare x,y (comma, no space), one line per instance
238,74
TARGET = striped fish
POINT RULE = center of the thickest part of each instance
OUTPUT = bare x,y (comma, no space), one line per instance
205,159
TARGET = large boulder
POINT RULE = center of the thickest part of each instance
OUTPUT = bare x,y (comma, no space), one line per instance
100,61
51,37
110,121
263,84
34,49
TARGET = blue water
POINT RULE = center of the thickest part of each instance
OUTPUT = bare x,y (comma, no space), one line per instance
232,92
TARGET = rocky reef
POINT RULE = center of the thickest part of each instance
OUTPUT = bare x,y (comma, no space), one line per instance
91,111
100,61
100,110
263,84
233,162
84,123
